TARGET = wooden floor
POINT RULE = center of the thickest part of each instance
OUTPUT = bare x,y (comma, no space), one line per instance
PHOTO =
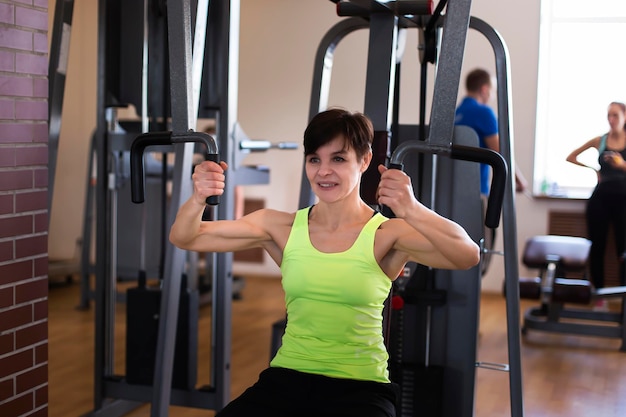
562,375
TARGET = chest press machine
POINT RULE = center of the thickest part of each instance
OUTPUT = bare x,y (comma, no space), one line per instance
432,333
556,258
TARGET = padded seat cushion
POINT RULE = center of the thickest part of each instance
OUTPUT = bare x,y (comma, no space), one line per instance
571,252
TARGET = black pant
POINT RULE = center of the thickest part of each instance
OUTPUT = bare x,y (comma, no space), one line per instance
605,207
283,392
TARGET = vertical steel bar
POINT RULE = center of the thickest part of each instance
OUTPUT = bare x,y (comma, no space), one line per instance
103,229
226,24
449,64
509,229
381,69
183,119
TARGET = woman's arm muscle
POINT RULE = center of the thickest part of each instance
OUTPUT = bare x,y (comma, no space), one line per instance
189,232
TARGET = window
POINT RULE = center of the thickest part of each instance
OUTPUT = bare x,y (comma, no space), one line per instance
582,68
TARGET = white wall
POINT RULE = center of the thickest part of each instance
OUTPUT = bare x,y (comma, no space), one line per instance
78,124
278,42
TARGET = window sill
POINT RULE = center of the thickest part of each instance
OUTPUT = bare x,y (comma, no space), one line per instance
559,197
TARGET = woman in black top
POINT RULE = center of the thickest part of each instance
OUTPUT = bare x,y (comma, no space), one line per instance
607,204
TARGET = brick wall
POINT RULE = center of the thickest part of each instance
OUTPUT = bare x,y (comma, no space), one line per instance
23,208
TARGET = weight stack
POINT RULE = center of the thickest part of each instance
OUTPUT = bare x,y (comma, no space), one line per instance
420,380
142,326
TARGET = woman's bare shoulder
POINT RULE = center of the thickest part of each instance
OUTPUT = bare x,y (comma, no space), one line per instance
272,216
595,142
393,228
392,223
277,225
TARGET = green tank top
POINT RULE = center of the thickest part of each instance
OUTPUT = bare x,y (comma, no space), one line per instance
334,306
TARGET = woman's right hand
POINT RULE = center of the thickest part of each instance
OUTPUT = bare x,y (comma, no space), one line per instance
208,180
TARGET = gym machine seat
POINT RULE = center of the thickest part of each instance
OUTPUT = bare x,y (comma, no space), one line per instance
555,257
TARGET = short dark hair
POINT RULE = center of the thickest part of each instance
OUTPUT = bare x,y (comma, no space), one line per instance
355,127
476,79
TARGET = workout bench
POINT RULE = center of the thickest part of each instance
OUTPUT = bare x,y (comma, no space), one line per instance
555,257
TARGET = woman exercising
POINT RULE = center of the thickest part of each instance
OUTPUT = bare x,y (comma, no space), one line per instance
338,259
607,204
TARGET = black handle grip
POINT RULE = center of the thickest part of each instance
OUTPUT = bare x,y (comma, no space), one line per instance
386,211
137,148
141,142
498,180
213,200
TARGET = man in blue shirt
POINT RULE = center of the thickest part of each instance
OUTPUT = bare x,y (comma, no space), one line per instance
476,114
473,112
